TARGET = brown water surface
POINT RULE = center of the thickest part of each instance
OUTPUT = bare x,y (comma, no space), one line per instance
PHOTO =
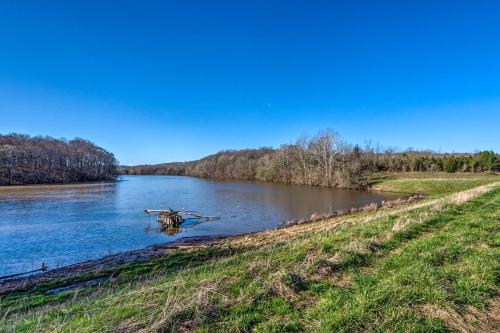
64,224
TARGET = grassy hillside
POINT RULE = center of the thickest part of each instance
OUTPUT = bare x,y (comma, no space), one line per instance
430,183
429,266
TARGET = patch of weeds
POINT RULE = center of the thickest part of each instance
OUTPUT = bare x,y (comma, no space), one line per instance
280,324
295,282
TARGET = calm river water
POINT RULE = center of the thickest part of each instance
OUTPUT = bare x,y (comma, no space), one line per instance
64,224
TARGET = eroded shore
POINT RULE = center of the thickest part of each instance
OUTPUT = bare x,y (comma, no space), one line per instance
397,252
187,243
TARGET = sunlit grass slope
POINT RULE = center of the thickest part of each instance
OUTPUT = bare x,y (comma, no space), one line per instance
431,266
430,183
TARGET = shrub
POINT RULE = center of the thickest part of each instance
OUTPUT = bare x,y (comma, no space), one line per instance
450,165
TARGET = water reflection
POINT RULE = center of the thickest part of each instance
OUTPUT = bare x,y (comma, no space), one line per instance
60,225
169,231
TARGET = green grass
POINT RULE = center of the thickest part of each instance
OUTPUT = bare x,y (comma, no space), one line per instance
429,183
378,271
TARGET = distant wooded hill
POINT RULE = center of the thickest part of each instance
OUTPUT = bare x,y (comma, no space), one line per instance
322,160
43,160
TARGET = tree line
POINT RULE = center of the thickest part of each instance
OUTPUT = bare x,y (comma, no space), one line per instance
428,161
43,160
323,159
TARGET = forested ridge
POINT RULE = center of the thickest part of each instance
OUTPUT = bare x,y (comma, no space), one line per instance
44,160
323,159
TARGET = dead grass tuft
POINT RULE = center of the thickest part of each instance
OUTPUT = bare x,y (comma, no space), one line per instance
468,320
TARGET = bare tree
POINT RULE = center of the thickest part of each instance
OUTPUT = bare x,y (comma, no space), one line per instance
304,158
324,147
323,160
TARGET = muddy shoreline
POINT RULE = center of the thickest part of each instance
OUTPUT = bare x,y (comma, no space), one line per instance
155,251
112,260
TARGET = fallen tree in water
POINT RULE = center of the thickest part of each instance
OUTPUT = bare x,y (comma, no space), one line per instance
170,220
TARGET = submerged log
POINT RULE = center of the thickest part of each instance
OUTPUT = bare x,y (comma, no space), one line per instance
169,219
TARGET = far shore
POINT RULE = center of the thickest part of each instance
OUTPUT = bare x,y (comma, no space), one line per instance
57,185
372,185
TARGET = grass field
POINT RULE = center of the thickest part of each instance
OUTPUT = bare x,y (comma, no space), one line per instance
432,266
430,183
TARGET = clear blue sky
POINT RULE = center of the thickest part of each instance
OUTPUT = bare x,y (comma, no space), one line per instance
157,81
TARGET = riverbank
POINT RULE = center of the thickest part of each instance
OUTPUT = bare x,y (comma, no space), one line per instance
23,282
56,186
60,226
385,268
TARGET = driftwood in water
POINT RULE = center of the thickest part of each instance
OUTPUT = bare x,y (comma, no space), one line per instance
171,220
167,218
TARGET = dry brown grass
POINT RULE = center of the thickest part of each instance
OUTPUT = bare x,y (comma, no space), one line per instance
468,319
